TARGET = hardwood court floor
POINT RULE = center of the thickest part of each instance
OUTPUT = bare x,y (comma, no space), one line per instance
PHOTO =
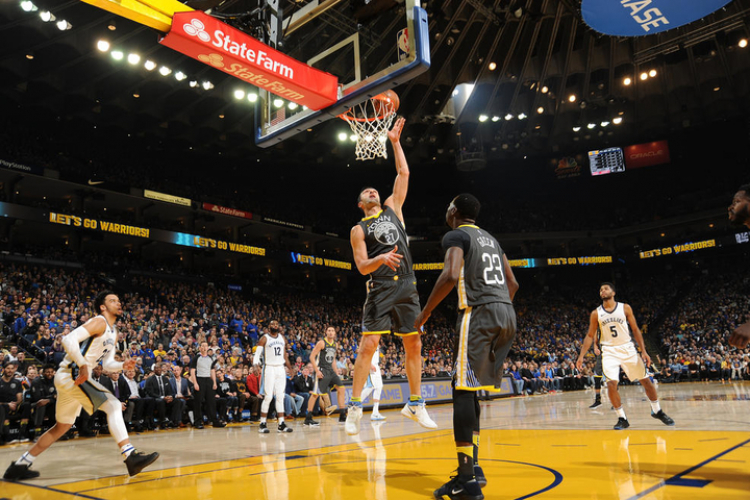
546,447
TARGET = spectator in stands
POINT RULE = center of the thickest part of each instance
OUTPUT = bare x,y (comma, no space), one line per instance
159,389
226,396
43,399
12,408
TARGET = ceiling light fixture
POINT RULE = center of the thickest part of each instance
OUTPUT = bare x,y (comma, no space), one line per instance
117,55
102,45
239,94
627,81
134,59
617,120
572,98
164,71
483,118
149,65
179,76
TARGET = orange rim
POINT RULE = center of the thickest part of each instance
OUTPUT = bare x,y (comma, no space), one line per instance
380,97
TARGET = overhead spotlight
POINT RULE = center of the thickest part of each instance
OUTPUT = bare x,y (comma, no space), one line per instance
716,89
102,45
518,12
136,95
483,118
492,66
343,136
540,110
576,129
742,43
252,97
193,84
353,138
179,76
644,75
583,104
164,71
63,25
652,73
117,55
149,65
239,94
278,103
28,6
627,81
134,59
604,123
30,56
111,26
292,105
207,85
545,89
509,117
505,145
617,120
47,16
572,98
522,116
591,125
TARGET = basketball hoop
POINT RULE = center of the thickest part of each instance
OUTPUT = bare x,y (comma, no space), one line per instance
370,121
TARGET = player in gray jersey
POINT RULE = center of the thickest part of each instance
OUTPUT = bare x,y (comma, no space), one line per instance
323,359
739,215
475,264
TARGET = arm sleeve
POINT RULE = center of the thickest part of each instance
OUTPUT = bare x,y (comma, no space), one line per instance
110,365
258,352
72,344
456,238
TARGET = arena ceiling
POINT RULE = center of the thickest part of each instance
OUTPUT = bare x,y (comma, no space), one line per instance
525,58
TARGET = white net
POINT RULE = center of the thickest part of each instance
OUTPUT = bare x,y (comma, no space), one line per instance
370,121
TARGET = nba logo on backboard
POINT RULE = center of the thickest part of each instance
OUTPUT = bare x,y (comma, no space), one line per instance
402,41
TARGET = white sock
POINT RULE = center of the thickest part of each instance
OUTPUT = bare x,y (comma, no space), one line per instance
375,407
262,420
127,449
26,459
655,406
281,420
621,413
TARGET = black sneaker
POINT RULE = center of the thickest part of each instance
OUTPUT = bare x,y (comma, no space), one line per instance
455,489
19,472
479,476
622,423
597,403
283,428
309,422
665,419
138,461
263,429
342,418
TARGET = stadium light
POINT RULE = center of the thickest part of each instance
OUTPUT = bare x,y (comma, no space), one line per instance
627,81
278,103
743,43
63,25
652,73
492,66
545,89
509,117
353,138
164,71
540,110
483,118
207,85
604,123
102,45
28,6
117,55
343,136
179,76
134,59
572,98
644,76
591,125
193,83
576,129
292,105
239,94
522,116
617,120
252,97
47,16
149,65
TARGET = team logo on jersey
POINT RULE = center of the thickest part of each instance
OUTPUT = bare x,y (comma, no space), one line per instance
330,356
384,231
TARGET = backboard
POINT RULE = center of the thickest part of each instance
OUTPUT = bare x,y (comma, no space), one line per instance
371,47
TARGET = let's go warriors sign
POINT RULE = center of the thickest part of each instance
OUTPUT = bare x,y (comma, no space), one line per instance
230,50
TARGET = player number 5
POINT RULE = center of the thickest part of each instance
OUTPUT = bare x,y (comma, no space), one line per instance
613,329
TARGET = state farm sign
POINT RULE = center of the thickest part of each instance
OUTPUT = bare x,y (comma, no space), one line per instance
230,50
227,211
647,154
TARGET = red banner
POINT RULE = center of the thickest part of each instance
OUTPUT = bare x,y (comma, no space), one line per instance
227,211
230,50
645,155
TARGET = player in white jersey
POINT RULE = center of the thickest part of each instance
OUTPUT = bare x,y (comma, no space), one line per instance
612,320
374,385
274,376
86,347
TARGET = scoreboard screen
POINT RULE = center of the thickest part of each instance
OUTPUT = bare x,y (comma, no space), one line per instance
606,161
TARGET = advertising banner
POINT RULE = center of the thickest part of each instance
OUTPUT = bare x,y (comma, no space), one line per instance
168,198
647,154
227,211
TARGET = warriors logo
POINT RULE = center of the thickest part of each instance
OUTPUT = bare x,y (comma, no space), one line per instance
384,230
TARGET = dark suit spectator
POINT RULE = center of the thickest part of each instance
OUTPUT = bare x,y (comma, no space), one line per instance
158,387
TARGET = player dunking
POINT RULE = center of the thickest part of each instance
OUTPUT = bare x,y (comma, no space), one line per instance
739,214
475,262
274,376
85,347
611,320
374,386
381,249
323,359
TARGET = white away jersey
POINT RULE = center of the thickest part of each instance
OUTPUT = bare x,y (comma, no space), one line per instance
613,326
274,351
94,349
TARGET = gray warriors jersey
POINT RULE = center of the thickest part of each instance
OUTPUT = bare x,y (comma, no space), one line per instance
383,231
327,358
482,278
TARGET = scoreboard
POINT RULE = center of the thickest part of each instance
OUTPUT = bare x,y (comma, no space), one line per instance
606,161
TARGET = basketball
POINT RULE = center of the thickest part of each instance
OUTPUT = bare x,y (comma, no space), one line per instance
386,103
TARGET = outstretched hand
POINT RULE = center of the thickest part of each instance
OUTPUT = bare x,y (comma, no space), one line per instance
394,134
392,259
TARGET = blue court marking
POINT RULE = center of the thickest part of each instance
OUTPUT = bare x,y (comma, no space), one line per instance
677,479
691,483
48,488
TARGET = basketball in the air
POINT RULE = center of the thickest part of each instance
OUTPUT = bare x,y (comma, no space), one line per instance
386,103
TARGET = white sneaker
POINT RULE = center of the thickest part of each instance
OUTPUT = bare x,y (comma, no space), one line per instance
418,413
377,417
353,416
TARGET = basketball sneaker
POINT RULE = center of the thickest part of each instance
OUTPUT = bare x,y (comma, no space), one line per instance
353,416
330,410
138,461
377,417
597,403
665,419
283,428
309,422
622,423
418,413
455,489
263,429
479,476
17,472
342,418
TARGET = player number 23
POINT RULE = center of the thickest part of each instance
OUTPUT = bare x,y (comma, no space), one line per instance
493,271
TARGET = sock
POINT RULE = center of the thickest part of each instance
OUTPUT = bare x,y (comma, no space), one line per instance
355,402
621,413
475,439
465,461
308,415
281,420
415,400
655,406
375,407
26,459
263,420
127,449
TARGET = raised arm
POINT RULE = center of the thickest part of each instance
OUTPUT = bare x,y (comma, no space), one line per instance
366,265
637,335
444,284
401,185
590,337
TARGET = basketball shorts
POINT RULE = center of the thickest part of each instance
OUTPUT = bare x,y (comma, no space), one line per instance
625,356
392,305
274,381
485,335
328,382
375,380
71,398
